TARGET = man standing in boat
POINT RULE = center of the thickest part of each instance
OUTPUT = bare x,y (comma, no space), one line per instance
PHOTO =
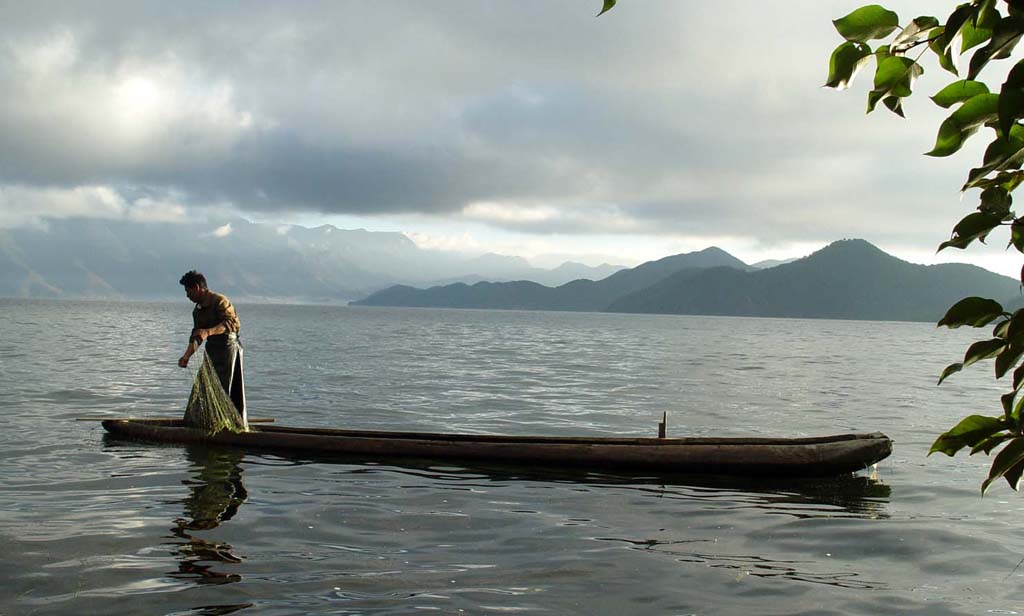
214,320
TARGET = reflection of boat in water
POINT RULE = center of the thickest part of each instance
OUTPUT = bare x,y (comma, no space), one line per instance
847,495
215,494
851,495
779,457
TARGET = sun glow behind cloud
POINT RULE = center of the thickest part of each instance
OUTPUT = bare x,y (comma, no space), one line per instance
137,97
116,116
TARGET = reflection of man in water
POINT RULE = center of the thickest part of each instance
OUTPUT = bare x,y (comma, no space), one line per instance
215,321
215,494
215,489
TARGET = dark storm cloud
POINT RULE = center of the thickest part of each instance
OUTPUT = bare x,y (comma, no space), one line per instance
661,117
280,171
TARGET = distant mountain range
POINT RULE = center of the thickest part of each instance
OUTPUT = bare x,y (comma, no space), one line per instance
849,279
578,295
92,258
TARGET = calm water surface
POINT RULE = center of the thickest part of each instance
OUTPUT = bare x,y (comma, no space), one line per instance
92,525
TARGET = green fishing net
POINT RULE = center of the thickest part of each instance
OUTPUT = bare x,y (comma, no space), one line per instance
209,407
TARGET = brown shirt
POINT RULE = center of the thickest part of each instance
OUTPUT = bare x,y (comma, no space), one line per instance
214,310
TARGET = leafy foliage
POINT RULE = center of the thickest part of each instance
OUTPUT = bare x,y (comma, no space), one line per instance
992,29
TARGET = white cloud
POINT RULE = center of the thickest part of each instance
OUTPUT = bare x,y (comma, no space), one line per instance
551,218
510,214
26,205
460,243
146,209
222,231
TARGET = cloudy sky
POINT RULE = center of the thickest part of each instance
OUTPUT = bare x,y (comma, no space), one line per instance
528,127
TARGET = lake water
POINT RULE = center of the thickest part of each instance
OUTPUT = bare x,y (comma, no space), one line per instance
91,525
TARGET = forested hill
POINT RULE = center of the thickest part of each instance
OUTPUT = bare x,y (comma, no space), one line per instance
849,279
579,295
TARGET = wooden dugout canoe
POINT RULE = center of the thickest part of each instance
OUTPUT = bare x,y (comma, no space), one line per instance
816,456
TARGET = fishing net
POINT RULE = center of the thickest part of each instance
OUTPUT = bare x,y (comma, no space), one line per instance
209,407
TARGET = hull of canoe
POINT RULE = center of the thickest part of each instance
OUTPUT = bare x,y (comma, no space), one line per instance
830,455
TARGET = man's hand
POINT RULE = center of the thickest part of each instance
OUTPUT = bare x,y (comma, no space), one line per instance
183,361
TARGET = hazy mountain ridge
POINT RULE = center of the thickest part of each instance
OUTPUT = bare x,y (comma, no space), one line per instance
849,279
93,258
767,263
578,295
90,258
565,272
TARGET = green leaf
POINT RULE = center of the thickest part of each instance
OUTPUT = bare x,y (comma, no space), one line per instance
896,74
964,122
1001,154
866,23
608,5
1015,332
1013,413
956,21
894,104
1017,235
978,30
845,63
958,92
950,370
973,36
1010,456
949,139
968,433
996,200
944,54
985,349
1008,359
990,443
1004,153
1006,400
972,311
1018,378
1012,475
1005,37
974,226
1011,99
1008,180
894,78
873,97
999,331
987,15
915,31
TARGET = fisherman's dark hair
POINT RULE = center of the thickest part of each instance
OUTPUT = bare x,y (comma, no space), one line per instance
193,278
